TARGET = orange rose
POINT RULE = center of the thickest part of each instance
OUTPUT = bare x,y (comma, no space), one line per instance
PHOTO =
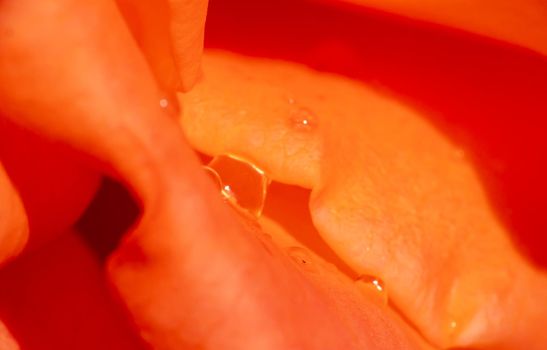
397,191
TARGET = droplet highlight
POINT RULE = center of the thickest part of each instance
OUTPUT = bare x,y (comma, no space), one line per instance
372,284
240,182
164,103
213,175
302,119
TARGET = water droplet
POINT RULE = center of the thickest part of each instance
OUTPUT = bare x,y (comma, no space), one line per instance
164,103
302,257
453,325
227,192
291,100
373,284
240,182
213,175
302,119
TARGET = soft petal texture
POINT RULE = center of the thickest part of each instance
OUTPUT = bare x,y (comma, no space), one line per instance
53,183
75,98
391,195
6,340
234,289
484,94
149,22
265,122
409,207
186,230
13,220
521,22
170,33
148,153
187,30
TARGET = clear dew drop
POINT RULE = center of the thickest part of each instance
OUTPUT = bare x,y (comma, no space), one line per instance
213,175
369,283
453,325
240,182
302,257
302,119
164,103
228,193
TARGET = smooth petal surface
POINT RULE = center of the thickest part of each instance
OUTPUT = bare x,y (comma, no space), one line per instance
13,220
6,340
226,285
170,34
187,30
75,97
57,298
520,22
53,183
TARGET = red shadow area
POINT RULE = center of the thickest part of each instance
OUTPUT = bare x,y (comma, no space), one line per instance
57,299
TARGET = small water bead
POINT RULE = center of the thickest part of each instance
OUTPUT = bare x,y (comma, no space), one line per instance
453,329
302,119
164,103
240,182
373,284
228,193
